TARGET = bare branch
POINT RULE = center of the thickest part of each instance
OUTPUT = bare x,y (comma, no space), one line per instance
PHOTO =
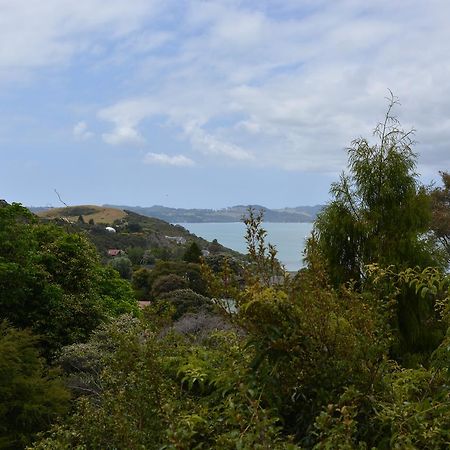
60,199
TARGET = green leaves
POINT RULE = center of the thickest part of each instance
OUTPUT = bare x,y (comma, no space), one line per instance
379,210
52,281
31,397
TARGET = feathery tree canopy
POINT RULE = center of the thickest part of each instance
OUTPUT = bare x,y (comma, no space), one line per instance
379,209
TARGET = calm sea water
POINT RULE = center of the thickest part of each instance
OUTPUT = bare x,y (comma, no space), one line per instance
289,238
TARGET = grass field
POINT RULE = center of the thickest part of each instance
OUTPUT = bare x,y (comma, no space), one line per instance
97,213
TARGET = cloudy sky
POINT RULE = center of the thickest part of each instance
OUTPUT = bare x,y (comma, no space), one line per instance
211,103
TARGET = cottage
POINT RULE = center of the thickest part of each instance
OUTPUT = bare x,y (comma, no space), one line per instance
115,252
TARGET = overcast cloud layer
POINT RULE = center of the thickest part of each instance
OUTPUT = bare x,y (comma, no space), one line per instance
211,103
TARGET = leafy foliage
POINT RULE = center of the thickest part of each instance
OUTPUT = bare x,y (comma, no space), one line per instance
351,353
123,265
52,281
379,209
191,272
186,300
192,253
31,397
168,283
380,215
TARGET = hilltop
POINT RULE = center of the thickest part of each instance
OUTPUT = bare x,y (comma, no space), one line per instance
98,214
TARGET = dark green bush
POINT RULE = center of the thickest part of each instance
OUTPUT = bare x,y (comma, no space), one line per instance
186,300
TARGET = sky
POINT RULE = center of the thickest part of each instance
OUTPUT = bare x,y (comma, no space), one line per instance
211,103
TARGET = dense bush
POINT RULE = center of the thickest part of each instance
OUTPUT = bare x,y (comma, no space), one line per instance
186,300
141,283
168,283
166,393
123,265
31,397
189,271
52,281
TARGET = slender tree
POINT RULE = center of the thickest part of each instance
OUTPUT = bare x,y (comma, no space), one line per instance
380,214
379,210
192,253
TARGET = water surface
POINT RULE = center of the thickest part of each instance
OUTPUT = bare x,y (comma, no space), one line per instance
289,238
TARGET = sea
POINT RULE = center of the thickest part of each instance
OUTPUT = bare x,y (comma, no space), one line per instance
288,238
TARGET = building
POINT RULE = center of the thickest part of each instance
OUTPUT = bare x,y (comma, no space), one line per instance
115,252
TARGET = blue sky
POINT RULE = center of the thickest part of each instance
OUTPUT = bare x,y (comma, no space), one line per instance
214,103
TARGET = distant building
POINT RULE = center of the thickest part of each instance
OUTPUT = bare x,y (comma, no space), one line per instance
143,303
115,252
205,253
178,239
110,229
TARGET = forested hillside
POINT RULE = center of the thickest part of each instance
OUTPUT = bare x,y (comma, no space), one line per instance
231,214
133,233
353,352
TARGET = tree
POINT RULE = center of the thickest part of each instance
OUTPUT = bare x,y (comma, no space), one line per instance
192,253
117,294
31,397
141,283
136,254
123,265
380,214
52,281
186,300
191,272
134,227
168,283
379,211
264,265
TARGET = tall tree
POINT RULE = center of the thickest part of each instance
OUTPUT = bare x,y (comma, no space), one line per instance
192,253
379,210
379,214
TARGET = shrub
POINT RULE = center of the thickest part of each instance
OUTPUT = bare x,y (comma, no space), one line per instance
168,283
186,300
31,397
123,265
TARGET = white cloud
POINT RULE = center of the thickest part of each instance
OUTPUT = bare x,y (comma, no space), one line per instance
123,136
208,144
126,117
293,89
285,84
81,131
167,160
35,33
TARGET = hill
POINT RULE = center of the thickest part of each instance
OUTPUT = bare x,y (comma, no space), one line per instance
231,214
98,214
132,231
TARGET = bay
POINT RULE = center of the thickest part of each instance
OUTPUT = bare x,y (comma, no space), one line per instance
288,238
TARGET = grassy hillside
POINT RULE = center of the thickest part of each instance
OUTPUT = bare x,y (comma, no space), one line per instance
99,214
